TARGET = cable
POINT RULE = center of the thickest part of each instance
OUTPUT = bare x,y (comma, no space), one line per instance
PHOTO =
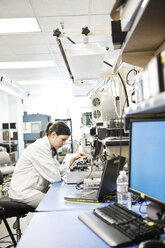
101,86
107,63
120,136
92,165
79,185
115,88
5,237
105,84
125,91
115,105
95,86
122,112
141,205
128,75
71,40
9,246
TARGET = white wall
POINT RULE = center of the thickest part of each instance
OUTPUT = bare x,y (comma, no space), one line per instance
4,115
59,103
11,110
3,107
19,112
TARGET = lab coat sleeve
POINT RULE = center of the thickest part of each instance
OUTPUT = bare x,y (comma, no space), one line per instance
63,167
48,167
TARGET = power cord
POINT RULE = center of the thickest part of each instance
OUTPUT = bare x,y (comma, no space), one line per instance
79,185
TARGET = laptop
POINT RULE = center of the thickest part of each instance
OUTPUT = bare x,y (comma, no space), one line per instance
107,188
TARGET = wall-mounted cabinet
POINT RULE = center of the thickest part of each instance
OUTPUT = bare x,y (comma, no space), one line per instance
33,126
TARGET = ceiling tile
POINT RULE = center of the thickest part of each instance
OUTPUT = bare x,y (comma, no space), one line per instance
60,8
15,9
30,49
24,39
1,41
25,57
75,15
100,21
103,6
48,24
5,50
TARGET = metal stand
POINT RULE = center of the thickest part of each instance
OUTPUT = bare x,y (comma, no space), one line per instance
2,217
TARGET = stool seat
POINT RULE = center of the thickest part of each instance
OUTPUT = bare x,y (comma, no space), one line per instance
10,208
13,208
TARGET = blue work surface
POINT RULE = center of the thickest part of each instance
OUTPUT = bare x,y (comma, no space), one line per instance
60,229
54,199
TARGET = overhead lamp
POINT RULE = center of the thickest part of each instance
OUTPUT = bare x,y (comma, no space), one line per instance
86,60
27,64
9,91
83,61
11,88
18,25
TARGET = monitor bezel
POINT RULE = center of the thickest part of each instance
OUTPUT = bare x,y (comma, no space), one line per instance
142,194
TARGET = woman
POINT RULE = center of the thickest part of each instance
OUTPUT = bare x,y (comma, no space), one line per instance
37,166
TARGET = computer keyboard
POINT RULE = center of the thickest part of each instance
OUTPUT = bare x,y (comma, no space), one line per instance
131,224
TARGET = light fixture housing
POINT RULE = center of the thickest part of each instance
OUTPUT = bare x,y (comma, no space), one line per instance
11,88
86,60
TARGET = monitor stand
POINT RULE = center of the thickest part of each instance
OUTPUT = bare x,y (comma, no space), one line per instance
156,212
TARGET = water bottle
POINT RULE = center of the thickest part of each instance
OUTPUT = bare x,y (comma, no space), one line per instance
122,188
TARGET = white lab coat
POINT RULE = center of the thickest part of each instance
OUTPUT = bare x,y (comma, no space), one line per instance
35,170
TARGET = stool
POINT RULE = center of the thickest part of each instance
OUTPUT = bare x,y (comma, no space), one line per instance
10,208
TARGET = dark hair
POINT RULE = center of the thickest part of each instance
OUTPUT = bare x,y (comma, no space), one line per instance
59,127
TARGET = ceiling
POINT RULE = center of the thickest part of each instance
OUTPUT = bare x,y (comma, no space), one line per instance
74,14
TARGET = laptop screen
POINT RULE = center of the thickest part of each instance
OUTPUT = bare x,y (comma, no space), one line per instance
109,177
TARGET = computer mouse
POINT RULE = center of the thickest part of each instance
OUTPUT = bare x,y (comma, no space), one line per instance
152,244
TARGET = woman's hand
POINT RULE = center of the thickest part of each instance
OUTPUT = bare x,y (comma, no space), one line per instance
77,156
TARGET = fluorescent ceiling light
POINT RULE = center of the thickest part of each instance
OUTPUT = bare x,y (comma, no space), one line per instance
43,82
18,25
9,91
11,88
27,64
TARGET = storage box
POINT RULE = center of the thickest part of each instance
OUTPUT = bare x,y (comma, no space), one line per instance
5,135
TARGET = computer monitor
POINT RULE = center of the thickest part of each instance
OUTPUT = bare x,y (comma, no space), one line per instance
147,159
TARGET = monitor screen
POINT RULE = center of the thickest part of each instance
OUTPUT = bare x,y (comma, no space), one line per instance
147,158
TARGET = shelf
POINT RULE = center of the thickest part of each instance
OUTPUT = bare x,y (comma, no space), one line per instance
146,37
117,142
114,128
152,105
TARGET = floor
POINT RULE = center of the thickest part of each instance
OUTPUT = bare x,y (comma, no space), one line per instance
4,243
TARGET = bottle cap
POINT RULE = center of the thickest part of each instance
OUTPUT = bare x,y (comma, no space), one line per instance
122,173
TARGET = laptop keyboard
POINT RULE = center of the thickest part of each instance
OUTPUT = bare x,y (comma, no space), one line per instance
89,193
